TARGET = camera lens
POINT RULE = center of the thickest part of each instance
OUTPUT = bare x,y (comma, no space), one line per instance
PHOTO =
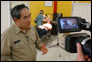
86,46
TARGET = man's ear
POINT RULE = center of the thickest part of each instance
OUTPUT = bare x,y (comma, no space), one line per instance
15,19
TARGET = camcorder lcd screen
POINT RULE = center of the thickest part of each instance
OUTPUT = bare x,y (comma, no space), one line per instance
68,24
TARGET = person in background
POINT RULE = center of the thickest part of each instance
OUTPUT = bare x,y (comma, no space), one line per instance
19,42
43,29
40,18
66,25
80,55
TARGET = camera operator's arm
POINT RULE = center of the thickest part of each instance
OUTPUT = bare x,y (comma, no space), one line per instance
80,55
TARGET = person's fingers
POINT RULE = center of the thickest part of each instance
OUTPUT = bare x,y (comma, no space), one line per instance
79,49
44,44
86,56
44,52
80,55
89,59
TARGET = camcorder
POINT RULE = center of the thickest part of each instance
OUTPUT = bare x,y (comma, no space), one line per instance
75,24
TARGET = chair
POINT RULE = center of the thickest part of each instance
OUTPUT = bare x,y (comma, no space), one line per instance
46,36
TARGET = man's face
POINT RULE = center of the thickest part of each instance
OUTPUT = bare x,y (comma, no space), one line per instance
24,21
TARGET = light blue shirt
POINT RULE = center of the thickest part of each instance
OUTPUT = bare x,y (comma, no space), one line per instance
40,19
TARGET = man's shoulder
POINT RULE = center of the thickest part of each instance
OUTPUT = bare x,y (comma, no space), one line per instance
8,30
40,15
31,26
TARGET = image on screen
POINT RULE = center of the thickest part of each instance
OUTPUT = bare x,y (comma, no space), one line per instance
68,23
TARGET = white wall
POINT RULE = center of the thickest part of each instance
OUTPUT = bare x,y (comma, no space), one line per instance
6,19
5,15
82,10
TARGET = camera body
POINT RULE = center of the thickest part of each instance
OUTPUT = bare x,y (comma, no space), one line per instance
82,38
70,40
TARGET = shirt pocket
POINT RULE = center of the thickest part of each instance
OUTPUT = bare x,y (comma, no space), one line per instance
19,45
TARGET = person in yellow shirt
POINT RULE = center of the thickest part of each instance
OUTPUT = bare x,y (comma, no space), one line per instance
19,42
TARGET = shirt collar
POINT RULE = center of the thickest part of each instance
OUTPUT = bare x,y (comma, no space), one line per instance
18,30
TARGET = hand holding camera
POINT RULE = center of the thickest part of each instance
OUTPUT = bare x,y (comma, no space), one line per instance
80,55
